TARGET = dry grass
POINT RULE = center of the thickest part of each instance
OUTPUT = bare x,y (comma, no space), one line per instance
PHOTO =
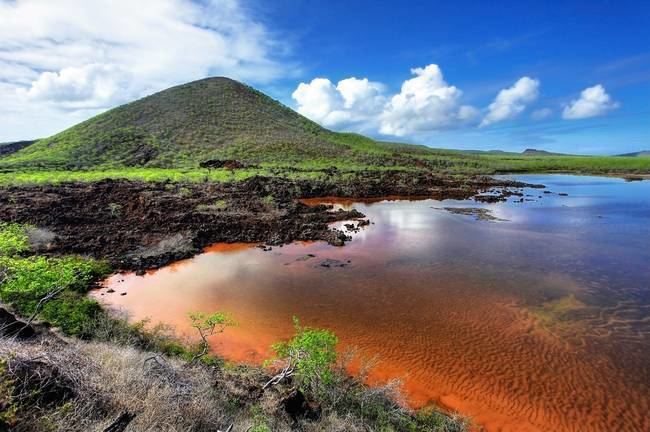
73,385
96,382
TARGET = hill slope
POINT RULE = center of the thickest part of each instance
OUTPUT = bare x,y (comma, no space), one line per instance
185,125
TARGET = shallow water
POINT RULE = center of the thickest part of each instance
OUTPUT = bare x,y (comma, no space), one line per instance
540,322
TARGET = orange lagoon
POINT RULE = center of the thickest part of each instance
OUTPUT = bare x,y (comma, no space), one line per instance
537,322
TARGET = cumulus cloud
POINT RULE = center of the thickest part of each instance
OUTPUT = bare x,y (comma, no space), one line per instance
594,101
93,85
361,93
425,103
352,102
512,101
81,55
319,100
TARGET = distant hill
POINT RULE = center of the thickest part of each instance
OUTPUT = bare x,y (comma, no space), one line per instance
527,152
535,152
185,125
642,153
12,147
488,152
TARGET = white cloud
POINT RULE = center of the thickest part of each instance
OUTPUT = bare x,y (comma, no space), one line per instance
89,86
541,114
594,101
80,55
361,93
353,102
319,100
424,103
512,101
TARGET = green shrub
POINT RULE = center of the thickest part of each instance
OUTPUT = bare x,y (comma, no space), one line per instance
64,281
312,353
207,325
159,338
13,239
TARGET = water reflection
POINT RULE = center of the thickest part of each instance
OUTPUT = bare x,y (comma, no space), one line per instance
538,323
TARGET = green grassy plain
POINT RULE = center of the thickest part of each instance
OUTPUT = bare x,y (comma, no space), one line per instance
441,162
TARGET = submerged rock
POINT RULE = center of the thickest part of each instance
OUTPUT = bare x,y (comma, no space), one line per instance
476,212
333,263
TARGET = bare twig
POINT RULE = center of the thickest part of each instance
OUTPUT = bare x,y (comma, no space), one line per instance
49,296
287,371
159,360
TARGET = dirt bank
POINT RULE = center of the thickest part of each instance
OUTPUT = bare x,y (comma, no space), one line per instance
139,225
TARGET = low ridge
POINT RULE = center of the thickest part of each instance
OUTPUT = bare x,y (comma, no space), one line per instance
642,153
537,152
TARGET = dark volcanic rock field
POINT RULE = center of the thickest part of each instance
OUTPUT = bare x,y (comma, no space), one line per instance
138,225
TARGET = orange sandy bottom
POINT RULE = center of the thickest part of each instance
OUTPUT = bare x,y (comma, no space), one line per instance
454,340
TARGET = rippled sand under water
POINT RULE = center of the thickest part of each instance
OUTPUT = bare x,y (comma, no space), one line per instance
537,323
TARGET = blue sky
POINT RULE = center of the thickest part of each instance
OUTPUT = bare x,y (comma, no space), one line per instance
568,76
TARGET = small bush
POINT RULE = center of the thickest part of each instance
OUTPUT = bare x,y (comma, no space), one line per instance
63,280
208,325
13,239
184,192
312,353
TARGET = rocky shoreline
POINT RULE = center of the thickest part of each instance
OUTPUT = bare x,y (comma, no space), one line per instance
139,225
